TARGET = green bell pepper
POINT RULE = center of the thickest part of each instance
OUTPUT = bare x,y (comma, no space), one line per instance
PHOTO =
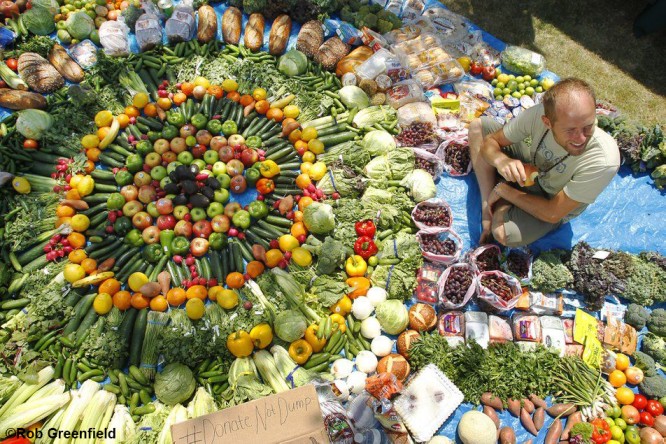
124,177
252,175
217,241
229,127
134,238
176,119
166,238
241,219
180,245
253,142
154,136
153,253
122,225
199,121
258,209
115,201
214,127
144,147
134,163
169,132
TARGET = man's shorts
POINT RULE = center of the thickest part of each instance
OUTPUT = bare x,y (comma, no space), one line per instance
520,228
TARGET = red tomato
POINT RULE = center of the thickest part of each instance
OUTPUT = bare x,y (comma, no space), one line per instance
647,419
488,73
30,144
476,69
640,402
12,64
15,440
654,408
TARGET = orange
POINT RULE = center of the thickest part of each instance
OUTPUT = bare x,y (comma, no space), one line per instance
303,181
273,257
234,96
624,395
111,286
254,268
295,136
179,98
103,131
77,256
164,103
93,154
275,114
235,280
65,211
176,296
187,88
150,110
62,220
617,378
621,362
214,292
196,291
159,303
76,240
139,301
89,265
215,91
90,166
262,106
132,111
73,194
298,229
301,144
298,216
303,202
246,99
123,120
122,300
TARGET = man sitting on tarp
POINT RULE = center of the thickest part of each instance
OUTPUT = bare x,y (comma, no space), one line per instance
570,158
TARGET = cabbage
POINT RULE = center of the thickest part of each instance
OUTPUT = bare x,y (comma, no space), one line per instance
378,142
392,316
319,218
175,384
80,25
39,21
354,97
394,165
421,185
290,325
293,63
51,5
32,123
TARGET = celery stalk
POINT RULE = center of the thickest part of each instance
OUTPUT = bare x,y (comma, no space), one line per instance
35,413
123,424
94,413
80,400
26,391
178,414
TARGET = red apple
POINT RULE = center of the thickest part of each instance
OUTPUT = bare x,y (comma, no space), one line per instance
226,153
198,151
204,137
142,178
183,228
147,193
169,157
218,142
202,228
166,222
164,206
151,235
187,130
129,192
178,145
199,246
249,157
142,220
220,223
161,146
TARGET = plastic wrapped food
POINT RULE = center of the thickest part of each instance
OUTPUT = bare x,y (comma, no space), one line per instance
426,282
406,92
180,27
452,324
523,61
500,329
552,331
527,328
485,258
429,162
428,57
113,36
476,327
375,65
416,45
518,263
440,73
432,215
148,31
84,53
456,155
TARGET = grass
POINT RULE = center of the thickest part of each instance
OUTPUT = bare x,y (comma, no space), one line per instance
592,40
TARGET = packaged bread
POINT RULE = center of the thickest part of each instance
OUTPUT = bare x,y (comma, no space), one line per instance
254,32
279,36
231,25
499,329
476,328
440,73
527,328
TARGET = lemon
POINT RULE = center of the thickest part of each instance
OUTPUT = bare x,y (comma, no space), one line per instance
306,166
201,81
309,157
229,85
90,141
136,281
308,134
259,94
73,273
288,242
317,171
227,299
291,111
21,185
195,308
140,100
103,118
75,180
301,257
316,146
103,303
80,222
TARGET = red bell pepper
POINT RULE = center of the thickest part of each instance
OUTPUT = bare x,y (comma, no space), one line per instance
365,228
365,247
601,431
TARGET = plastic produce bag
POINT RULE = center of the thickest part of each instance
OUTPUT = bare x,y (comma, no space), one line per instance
148,31
446,216
415,112
499,302
485,258
523,61
455,155
444,301
429,162
180,26
441,245
114,37
518,263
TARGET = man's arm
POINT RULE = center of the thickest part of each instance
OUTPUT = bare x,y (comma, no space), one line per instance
548,210
511,169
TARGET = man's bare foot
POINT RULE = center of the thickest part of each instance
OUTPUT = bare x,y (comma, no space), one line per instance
486,225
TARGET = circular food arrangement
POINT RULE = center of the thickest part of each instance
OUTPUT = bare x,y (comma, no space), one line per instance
202,206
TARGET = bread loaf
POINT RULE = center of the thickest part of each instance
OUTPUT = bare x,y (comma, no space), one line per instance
395,364
331,52
207,28
254,32
310,38
279,36
65,65
231,25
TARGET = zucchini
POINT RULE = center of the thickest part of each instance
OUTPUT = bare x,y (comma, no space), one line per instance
87,322
80,310
138,332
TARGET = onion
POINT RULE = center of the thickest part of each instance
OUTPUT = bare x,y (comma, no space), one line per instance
381,345
199,92
377,295
660,424
356,382
342,388
341,368
651,436
366,361
370,328
362,308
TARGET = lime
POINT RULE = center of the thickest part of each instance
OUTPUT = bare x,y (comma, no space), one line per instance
501,85
534,82
529,91
497,92
520,79
494,82
516,94
506,91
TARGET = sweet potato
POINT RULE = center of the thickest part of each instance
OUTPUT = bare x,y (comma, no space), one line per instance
561,410
571,421
507,436
528,405
490,400
538,402
526,421
539,417
492,414
17,100
553,435
514,407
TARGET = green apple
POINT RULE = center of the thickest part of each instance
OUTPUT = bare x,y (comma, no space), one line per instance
529,91
172,166
214,209
198,214
219,168
221,195
210,157
185,157
224,180
180,211
164,181
152,209
200,163
538,89
190,141
158,172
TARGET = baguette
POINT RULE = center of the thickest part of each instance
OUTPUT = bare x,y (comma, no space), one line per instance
64,64
254,32
17,100
231,25
207,28
279,37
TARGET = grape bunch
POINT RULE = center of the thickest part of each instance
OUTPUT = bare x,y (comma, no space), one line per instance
457,284
433,216
433,244
457,156
488,260
518,264
499,286
418,133
425,164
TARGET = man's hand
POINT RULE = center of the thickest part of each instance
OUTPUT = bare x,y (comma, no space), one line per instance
512,170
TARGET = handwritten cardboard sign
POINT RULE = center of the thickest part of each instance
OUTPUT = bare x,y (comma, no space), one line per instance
292,417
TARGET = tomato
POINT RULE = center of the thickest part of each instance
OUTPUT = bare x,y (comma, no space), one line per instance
647,419
476,69
654,408
640,402
12,64
488,73
30,144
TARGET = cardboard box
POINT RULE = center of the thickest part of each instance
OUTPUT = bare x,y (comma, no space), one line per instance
292,417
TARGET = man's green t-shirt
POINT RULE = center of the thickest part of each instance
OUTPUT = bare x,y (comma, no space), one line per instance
581,177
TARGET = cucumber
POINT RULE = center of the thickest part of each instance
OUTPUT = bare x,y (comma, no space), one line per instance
238,257
138,333
80,310
87,322
175,276
125,331
216,266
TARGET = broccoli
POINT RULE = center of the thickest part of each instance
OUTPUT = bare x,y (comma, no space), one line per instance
636,316
252,6
654,387
397,23
375,8
645,363
363,10
347,14
331,253
657,322
369,20
384,26
655,346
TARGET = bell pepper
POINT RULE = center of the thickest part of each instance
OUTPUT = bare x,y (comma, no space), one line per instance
122,225
169,132
229,127
85,186
153,253
199,121
365,228
241,219
166,238
343,306
300,351
269,168
144,147
601,431
253,142
365,247
134,238
338,322
153,136
134,163
258,209
252,175
214,127
359,286
316,343
265,186
176,118
262,335
356,266
240,344
124,177
217,241
180,245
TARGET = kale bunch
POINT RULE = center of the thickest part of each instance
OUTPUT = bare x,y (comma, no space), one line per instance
549,272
